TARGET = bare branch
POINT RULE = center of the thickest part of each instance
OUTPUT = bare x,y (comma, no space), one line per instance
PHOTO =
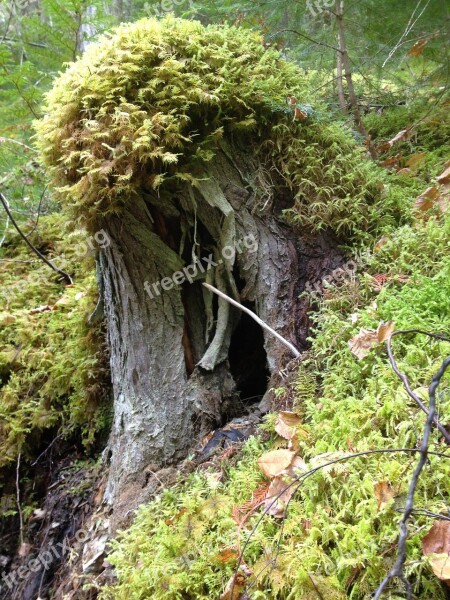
291,347
397,569
405,379
65,275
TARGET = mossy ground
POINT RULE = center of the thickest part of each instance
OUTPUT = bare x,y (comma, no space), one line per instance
53,366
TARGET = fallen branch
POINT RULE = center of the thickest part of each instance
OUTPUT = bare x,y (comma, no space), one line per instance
65,275
405,379
255,317
397,569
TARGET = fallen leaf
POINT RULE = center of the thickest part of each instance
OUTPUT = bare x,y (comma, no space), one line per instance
436,545
299,114
444,177
384,330
279,486
440,563
437,540
418,47
383,493
393,161
275,462
236,584
297,467
227,555
428,199
286,424
405,171
361,344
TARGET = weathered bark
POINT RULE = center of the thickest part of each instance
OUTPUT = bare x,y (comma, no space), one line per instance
169,352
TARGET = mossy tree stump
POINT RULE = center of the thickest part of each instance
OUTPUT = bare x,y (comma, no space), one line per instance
177,140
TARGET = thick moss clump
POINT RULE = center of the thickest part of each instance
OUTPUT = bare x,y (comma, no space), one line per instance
53,369
148,106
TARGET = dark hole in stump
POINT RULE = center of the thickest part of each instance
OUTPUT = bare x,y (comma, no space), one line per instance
248,359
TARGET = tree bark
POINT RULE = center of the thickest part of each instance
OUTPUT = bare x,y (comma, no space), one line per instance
170,351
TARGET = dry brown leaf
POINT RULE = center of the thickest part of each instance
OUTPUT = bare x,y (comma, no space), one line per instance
279,486
444,177
361,344
236,584
384,330
437,540
383,492
286,424
427,199
296,467
227,555
299,114
436,545
418,47
405,171
440,563
393,161
275,462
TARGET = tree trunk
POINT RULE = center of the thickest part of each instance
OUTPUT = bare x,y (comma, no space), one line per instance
345,63
170,349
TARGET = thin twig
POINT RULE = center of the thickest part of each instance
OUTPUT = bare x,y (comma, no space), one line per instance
254,316
2,241
405,379
47,449
65,275
17,143
298,480
397,569
301,34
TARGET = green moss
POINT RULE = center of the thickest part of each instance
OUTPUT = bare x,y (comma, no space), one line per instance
148,106
53,369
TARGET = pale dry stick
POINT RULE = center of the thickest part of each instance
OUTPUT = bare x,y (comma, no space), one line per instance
255,317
